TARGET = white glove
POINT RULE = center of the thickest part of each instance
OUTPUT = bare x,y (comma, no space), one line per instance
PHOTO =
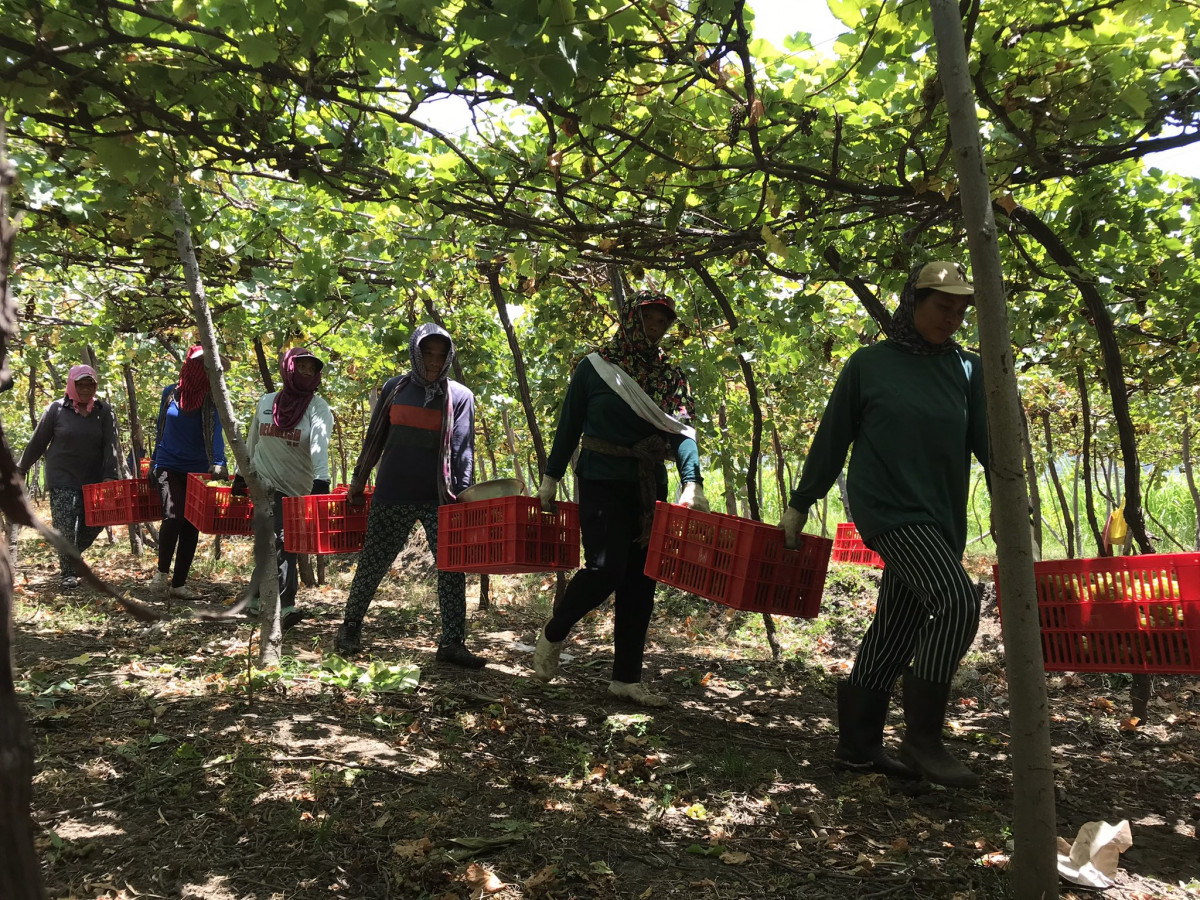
791,523
546,493
692,496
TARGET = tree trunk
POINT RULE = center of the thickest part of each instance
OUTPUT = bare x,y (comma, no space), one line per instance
489,447
844,494
1189,474
137,447
1113,366
1031,478
20,872
492,271
264,368
1068,525
511,439
752,468
727,473
1035,864
265,580
1086,454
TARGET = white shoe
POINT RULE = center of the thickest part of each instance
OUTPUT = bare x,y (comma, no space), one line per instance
160,585
545,656
638,693
183,592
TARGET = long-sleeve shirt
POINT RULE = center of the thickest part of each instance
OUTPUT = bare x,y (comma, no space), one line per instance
79,449
180,445
593,408
411,458
914,422
289,460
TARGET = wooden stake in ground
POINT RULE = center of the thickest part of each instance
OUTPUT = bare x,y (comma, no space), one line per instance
1035,862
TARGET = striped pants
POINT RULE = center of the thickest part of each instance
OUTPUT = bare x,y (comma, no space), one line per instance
388,528
927,612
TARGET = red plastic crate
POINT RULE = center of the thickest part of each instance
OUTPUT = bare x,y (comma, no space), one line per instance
737,562
849,548
214,510
507,535
1119,614
324,523
121,502
144,466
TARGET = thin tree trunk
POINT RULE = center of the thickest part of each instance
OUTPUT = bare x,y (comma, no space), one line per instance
1031,478
727,473
844,493
511,438
752,467
1086,454
492,271
1110,352
490,448
55,381
137,446
1189,474
265,581
20,872
1068,525
1035,864
264,368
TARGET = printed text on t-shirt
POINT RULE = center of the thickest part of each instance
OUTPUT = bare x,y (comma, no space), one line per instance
270,429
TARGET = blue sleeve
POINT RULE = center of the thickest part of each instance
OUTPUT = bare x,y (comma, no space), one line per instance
687,458
218,443
462,440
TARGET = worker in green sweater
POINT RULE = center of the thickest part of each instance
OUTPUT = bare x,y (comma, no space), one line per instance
912,407
632,408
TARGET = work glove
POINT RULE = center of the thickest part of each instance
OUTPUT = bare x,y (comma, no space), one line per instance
546,493
219,472
355,495
239,486
791,523
320,486
692,496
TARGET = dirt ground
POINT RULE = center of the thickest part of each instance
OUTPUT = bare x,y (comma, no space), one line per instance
168,767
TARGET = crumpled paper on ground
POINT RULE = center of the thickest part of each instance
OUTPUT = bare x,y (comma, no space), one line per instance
1093,859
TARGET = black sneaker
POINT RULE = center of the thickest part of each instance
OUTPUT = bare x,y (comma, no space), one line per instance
459,655
69,582
349,639
292,619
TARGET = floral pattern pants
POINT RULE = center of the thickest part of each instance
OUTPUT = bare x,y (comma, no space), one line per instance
66,514
388,528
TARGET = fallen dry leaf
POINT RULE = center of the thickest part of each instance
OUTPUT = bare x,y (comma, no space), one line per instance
413,849
483,881
1130,724
542,881
1103,703
734,857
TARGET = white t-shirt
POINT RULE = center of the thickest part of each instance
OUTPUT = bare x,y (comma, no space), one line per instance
290,460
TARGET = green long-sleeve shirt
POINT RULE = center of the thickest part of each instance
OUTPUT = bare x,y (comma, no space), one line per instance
914,422
591,407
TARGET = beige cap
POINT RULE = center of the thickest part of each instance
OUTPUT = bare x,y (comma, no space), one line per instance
947,277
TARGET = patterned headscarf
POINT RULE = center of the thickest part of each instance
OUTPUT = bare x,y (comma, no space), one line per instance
73,394
632,352
903,330
417,364
298,390
193,380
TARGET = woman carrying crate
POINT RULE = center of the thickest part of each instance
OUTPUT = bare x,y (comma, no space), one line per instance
188,439
288,443
631,407
422,436
913,408
78,436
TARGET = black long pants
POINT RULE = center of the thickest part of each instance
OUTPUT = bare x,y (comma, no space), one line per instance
177,537
610,521
927,612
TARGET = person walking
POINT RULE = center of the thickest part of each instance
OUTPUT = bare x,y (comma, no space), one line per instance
422,436
77,434
188,439
631,407
288,444
912,406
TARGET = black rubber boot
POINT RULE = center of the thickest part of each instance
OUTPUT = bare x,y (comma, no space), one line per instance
861,714
922,748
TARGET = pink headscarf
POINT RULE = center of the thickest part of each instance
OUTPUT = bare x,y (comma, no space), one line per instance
73,394
298,390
